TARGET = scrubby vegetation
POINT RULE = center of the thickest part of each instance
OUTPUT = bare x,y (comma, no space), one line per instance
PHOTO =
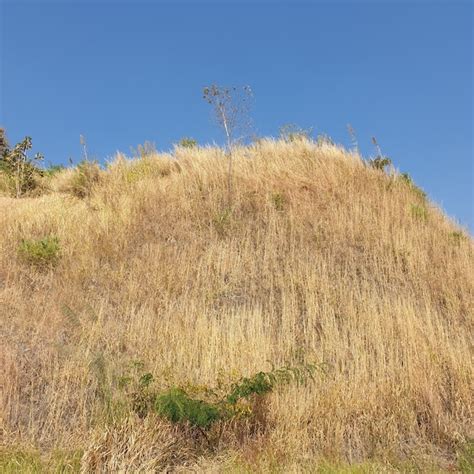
187,142
319,257
40,252
19,173
203,407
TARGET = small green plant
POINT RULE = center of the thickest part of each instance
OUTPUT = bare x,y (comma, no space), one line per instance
278,201
380,162
40,253
465,457
456,237
419,212
187,142
408,181
13,461
291,132
406,178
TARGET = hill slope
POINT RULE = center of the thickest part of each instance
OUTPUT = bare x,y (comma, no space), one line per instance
320,259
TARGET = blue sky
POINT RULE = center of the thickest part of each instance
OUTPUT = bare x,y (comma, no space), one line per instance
121,73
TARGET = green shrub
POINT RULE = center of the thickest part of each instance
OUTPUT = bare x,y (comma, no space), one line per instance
243,398
380,162
40,253
187,142
21,170
176,406
259,384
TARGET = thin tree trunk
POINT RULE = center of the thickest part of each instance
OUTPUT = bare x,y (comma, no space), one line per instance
229,178
229,157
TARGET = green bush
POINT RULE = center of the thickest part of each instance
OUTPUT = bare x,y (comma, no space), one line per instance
21,172
40,253
380,162
188,142
176,406
259,384
243,398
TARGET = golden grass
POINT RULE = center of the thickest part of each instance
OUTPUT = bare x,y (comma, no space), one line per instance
320,258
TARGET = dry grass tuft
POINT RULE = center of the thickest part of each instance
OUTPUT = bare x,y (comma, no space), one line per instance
135,445
320,258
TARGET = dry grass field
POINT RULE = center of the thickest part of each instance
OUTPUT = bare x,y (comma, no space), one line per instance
320,259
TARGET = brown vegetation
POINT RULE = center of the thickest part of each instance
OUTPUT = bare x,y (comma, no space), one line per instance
321,258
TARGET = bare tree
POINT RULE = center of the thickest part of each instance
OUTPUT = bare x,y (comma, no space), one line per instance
231,107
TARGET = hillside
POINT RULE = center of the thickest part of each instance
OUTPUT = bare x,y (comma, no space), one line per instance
321,259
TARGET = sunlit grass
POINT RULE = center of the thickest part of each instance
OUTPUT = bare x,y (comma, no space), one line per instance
319,258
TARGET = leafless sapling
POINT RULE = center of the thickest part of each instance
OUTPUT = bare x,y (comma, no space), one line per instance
231,107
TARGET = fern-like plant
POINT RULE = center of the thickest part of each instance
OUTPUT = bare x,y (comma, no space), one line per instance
176,406
202,413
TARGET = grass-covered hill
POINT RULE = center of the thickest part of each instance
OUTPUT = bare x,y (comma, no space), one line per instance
135,299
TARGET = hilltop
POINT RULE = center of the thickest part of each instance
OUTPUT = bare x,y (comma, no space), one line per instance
146,268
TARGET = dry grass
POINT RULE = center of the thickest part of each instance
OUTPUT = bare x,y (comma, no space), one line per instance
134,445
320,258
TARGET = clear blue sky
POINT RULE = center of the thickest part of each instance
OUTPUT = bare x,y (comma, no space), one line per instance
121,73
